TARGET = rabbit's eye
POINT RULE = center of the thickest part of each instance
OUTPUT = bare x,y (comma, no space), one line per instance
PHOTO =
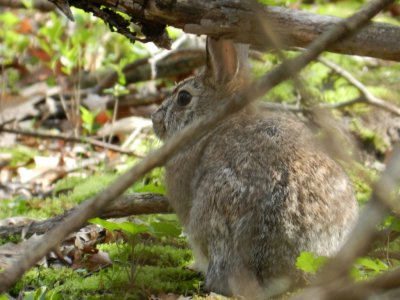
184,98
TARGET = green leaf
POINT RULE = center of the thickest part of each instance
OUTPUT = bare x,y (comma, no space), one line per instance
310,263
4,297
127,227
166,228
88,118
355,273
375,265
9,19
39,294
395,225
28,3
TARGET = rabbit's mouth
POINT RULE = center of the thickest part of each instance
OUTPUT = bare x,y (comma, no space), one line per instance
158,124
160,131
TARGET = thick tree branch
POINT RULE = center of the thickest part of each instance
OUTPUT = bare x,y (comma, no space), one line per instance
124,206
187,136
234,19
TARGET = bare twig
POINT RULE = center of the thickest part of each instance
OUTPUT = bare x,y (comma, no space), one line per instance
6,123
123,206
187,136
71,139
366,96
386,236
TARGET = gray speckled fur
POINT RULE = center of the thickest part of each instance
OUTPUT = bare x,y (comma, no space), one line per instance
253,193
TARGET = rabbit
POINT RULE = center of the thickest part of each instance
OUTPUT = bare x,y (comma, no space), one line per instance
256,190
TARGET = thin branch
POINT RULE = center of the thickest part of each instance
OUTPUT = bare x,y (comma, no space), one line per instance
187,136
123,206
386,236
71,139
366,96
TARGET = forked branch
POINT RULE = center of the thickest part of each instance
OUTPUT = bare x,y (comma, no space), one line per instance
366,96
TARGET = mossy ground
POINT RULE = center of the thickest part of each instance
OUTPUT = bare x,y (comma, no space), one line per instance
149,265
150,269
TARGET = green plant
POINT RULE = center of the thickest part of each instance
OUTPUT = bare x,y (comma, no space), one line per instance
310,263
42,293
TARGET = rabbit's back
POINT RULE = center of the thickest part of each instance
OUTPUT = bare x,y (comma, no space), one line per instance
265,192
256,190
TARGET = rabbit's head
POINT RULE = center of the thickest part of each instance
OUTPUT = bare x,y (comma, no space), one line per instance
225,73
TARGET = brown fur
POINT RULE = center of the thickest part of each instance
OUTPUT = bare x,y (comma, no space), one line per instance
253,193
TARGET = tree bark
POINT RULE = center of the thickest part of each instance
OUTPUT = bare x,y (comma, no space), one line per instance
237,20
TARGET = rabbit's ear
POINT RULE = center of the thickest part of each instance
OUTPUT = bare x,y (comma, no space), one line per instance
226,62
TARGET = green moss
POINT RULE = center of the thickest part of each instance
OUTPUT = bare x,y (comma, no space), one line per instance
91,186
68,183
42,276
169,279
13,207
11,239
85,188
167,256
282,93
341,94
369,137
151,269
35,208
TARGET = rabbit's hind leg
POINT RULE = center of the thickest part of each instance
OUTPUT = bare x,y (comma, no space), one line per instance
200,258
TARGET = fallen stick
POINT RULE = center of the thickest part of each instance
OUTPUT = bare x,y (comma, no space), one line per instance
123,206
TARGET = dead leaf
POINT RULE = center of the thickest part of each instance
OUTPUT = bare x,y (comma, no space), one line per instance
25,26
